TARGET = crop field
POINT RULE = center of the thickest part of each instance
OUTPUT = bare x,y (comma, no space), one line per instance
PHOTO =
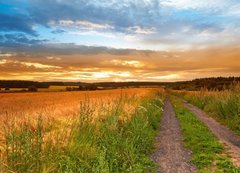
90,131
121,130
51,88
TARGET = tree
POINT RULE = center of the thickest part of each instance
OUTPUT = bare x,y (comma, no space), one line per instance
68,89
81,88
32,88
91,87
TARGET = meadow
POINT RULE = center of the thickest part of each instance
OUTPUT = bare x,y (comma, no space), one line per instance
223,105
87,131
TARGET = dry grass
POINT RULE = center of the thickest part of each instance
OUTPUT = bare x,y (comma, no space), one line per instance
71,130
58,103
58,109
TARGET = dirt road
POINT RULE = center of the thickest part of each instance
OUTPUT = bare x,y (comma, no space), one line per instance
169,153
230,140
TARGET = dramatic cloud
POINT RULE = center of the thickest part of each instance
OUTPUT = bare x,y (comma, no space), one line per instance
124,65
22,23
104,40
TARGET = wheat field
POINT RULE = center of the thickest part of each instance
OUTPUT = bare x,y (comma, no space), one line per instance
44,131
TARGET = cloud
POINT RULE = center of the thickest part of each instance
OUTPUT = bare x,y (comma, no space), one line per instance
36,65
53,58
127,63
134,23
19,23
58,31
6,54
139,30
15,41
74,39
114,65
81,24
192,4
63,48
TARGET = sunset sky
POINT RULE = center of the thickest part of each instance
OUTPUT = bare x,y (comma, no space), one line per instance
119,40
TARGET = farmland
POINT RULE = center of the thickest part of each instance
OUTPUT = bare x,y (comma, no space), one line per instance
98,86
120,130
94,131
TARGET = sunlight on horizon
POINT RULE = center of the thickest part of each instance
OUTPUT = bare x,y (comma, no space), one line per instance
163,40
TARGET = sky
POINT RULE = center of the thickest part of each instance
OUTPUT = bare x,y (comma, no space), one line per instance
119,40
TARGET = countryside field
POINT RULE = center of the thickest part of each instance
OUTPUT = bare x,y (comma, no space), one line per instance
120,130
92,131
120,86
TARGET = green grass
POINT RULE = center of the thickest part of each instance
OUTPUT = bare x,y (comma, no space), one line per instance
224,106
108,145
208,153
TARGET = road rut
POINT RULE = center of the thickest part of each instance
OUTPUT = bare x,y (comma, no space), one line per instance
230,140
169,154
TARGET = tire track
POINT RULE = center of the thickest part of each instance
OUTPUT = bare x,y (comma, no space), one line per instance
169,153
230,140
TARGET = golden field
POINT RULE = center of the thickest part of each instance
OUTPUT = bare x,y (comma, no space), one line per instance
59,108
44,131
59,103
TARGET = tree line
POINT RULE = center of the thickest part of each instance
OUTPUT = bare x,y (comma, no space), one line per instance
218,83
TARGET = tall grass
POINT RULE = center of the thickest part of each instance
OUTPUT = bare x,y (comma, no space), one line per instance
222,105
109,143
208,153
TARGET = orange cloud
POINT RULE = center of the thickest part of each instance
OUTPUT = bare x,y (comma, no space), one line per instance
125,65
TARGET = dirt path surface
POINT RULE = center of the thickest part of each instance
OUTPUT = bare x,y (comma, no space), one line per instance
230,140
169,153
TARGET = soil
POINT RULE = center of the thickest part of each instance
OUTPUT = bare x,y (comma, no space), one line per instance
230,140
169,153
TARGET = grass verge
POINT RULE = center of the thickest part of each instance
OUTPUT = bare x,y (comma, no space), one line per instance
224,106
208,153
107,145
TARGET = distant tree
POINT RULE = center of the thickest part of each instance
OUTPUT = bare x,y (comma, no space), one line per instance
74,89
68,89
32,88
81,88
91,87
